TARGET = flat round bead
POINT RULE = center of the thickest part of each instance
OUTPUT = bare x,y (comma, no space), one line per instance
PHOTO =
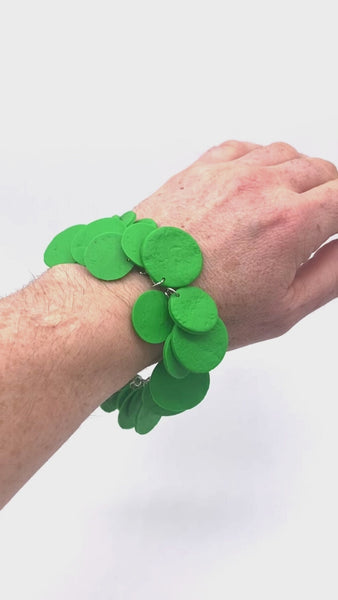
171,364
105,259
111,403
58,250
200,352
155,408
83,238
146,419
115,401
147,220
133,238
129,409
123,393
128,217
150,317
171,253
178,394
193,309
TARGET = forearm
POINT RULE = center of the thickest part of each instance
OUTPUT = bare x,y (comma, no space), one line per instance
66,344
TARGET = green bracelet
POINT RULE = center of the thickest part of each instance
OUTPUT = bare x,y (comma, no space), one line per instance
182,316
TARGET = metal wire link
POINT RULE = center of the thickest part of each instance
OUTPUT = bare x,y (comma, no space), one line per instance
168,291
158,282
138,382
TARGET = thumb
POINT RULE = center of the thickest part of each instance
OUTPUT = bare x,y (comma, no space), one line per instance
316,282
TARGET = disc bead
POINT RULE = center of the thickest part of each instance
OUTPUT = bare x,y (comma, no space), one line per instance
83,238
58,250
193,309
133,238
150,317
105,259
177,394
200,352
171,364
171,253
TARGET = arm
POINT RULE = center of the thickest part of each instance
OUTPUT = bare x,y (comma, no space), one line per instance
66,344
260,214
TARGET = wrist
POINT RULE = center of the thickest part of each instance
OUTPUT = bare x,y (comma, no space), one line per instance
105,307
184,318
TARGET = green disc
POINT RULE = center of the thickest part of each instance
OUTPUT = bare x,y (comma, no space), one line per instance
129,409
178,394
155,408
83,238
128,217
58,250
122,394
150,317
146,419
172,365
200,352
171,253
111,403
115,401
193,309
133,238
105,259
147,220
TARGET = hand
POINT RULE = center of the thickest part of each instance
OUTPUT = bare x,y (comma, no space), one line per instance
258,213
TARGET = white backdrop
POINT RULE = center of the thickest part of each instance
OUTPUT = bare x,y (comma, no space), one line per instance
100,103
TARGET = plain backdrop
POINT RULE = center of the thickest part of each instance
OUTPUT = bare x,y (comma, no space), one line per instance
100,103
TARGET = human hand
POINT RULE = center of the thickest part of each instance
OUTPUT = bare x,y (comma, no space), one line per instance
258,213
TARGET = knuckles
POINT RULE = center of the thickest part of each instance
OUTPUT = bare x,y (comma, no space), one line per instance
237,144
326,165
282,148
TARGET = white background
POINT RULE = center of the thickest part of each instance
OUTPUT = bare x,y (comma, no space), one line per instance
100,103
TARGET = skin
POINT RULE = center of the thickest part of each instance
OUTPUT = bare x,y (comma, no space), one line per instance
259,213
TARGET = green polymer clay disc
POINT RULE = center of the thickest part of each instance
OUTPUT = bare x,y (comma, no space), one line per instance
171,253
177,394
128,217
146,419
111,403
150,317
133,238
58,250
83,238
129,409
193,309
115,400
122,394
147,220
155,408
172,365
200,352
105,259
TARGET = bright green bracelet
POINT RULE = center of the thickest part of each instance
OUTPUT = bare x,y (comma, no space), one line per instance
182,316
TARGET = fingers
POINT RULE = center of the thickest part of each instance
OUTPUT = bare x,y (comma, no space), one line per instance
304,173
229,150
318,217
315,284
316,182
272,154
313,180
